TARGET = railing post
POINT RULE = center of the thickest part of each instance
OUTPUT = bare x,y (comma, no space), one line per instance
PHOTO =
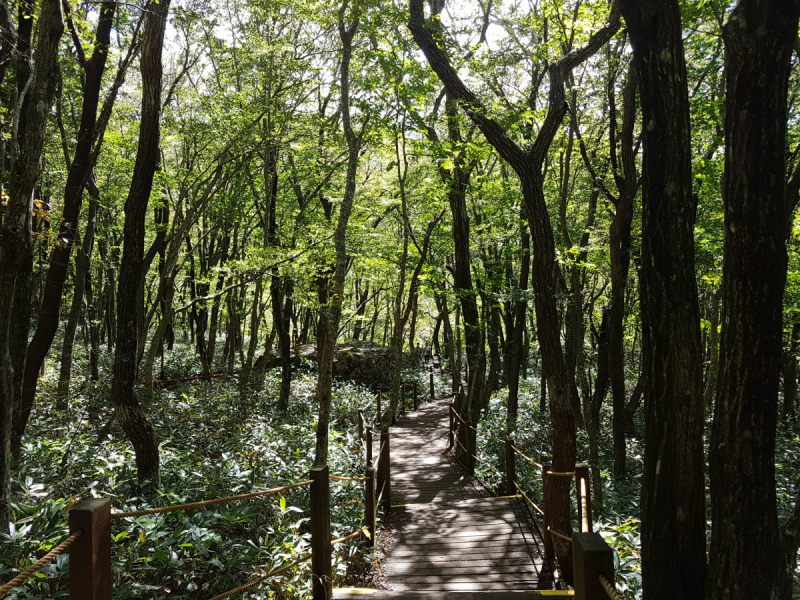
379,408
511,468
432,390
584,497
452,425
361,424
384,474
321,533
470,441
369,503
591,556
549,553
415,395
403,396
369,446
90,554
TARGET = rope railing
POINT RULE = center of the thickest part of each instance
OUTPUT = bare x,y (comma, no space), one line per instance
338,478
559,474
530,460
566,538
380,496
608,587
492,467
348,537
258,580
27,573
488,435
203,504
532,503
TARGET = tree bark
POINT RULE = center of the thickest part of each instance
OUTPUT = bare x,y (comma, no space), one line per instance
331,311
759,39
673,492
137,426
25,149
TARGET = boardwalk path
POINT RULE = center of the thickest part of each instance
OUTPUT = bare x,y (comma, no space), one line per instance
452,539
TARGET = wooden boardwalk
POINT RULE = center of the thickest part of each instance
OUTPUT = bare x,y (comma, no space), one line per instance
449,538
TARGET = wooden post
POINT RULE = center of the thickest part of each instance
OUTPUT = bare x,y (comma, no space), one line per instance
384,475
452,424
471,446
549,553
369,446
379,408
415,395
369,503
403,400
90,554
511,468
321,533
584,497
432,390
591,557
361,424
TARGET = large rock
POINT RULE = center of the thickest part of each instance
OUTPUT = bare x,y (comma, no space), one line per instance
364,363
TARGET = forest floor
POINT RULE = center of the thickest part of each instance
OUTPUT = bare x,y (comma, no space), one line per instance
215,443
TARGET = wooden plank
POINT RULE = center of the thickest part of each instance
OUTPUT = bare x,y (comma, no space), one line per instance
450,538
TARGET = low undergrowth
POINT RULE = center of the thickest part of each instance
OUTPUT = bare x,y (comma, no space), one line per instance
211,447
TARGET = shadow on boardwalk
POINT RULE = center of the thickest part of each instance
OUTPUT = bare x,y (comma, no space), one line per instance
449,538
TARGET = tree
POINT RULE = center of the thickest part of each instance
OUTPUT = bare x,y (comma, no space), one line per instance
673,493
759,39
129,295
528,165
25,149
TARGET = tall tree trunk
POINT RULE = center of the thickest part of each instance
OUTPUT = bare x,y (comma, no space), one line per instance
673,492
515,336
89,142
25,149
331,311
83,260
529,167
137,426
759,39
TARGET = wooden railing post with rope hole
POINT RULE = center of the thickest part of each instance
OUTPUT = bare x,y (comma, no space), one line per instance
369,504
511,468
90,554
593,561
361,424
415,395
321,533
403,400
379,408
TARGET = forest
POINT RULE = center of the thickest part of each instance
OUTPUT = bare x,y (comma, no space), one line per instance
226,225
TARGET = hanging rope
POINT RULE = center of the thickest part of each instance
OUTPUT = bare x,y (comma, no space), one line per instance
533,504
608,587
560,535
193,505
337,478
20,579
348,537
530,460
258,580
